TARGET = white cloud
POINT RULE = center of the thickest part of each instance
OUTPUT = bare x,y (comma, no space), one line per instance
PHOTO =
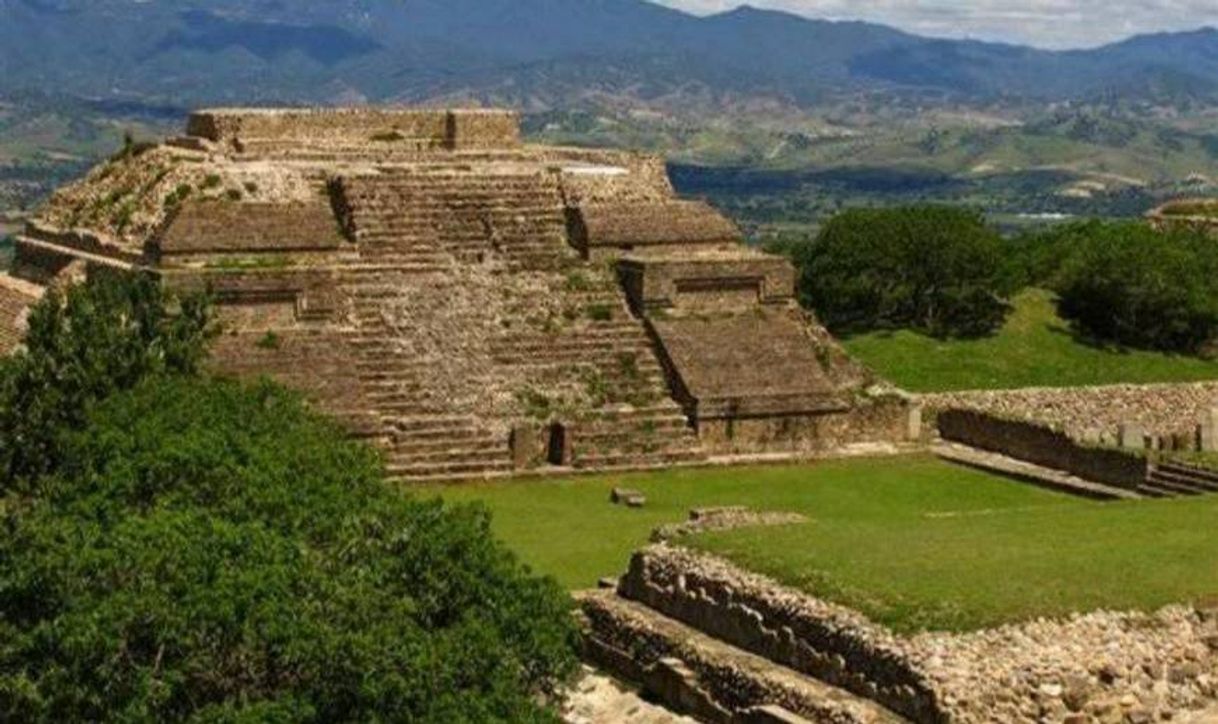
1044,23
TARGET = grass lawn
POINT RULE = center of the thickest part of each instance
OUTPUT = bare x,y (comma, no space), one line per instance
1035,348
912,541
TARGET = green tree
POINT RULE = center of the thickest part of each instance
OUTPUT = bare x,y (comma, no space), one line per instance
212,551
99,337
1129,284
938,270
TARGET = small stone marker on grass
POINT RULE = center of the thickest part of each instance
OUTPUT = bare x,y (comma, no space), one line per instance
627,497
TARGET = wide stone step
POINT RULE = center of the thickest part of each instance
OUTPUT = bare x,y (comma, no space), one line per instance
1152,490
600,430
1187,479
1174,487
451,469
666,409
427,435
452,422
1190,471
640,459
398,458
471,444
708,679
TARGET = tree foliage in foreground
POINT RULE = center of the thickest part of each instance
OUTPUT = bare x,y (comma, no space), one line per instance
81,346
938,270
211,551
1129,284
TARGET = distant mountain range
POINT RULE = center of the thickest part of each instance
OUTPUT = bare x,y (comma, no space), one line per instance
538,54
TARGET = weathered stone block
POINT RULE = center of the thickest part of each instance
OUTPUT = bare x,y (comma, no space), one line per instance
771,714
1132,436
914,431
526,447
1207,437
627,497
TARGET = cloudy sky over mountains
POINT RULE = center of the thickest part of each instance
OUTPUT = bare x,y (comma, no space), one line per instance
1044,23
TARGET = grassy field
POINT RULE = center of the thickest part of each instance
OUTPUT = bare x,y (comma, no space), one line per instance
913,542
1035,348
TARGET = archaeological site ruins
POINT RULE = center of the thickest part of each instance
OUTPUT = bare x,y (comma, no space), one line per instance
476,305
481,307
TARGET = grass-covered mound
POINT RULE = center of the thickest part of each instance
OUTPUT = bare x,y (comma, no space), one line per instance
1034,347
912,542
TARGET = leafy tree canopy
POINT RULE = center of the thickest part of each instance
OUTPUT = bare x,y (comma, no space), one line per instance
183,548
1129,284
82,345
938,270
210,551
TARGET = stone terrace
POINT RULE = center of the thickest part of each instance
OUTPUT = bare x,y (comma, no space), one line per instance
454,294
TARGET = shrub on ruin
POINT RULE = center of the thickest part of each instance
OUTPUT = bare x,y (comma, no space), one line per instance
1128,284
938,270
212,551
81,346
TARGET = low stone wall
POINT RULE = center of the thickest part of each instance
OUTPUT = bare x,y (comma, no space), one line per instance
1097,667
699,676
1094,413
829,643
874,420
1040,444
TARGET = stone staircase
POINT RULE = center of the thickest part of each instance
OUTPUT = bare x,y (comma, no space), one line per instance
425,217
1171,480
479,234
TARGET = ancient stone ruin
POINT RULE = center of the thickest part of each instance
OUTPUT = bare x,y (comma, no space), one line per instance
476,305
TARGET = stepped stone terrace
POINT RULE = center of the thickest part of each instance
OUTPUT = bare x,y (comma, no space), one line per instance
476,305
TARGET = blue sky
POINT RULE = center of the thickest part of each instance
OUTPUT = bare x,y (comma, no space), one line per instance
1043,23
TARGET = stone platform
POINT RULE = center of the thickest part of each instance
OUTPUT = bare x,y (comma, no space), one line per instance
461,297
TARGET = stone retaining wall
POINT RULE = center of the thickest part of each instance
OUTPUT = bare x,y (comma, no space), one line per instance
1040,444
627,225
883,420
1097,667
230,226
1094,413
827,642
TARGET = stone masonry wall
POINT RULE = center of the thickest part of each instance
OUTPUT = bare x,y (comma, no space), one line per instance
879,420
627,225
596,176
830,643
690,280
456,129
1099,667
227,226
1040,444
1094,412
